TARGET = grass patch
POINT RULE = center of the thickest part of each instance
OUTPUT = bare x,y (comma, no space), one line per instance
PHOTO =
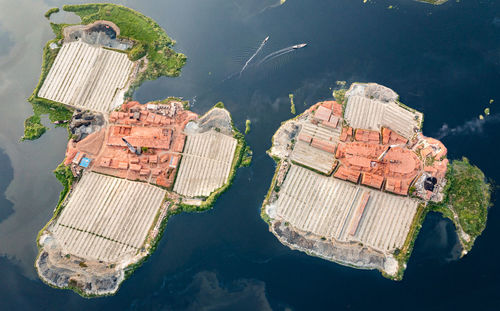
292,105
33,128
469,194
50,12
246,160
65,176
150,39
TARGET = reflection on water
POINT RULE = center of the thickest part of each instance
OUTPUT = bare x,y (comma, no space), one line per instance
6,42
438,242
207,292
63,17
6,177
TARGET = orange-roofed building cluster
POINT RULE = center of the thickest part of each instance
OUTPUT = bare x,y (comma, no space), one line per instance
327,113
346,134
390,137
331,105
141,142
376,162
367,136
433,154
384,159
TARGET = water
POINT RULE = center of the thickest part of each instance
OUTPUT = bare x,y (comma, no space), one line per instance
444,61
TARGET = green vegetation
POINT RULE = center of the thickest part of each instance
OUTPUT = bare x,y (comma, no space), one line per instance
487,111
50,12
168,100
82,264
242,157
171,210
292,105
246,160
137,52
248,123
339,96
150,39
263,213
65,176
33,128
467,199
466,202
402,255
469,194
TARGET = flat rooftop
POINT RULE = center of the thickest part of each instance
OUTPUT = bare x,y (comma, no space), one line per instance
107,218
156,132
371,108
87,77
206,163
336,209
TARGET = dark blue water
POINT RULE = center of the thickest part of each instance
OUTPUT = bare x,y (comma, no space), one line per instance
443,61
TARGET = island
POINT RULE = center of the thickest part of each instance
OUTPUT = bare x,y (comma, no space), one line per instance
128,166
355,178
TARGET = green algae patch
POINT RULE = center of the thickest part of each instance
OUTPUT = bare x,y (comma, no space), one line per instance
292,105
248,124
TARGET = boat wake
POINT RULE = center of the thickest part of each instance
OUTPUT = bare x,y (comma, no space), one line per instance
281,52
254,54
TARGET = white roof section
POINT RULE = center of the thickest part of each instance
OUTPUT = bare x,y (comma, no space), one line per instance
107,218
372,106
87,77
206,163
